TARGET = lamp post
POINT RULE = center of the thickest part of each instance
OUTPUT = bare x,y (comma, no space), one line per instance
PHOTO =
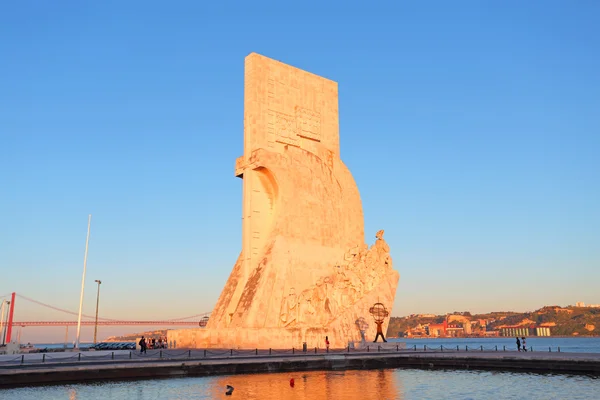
4,322
87,239
3,310
97,303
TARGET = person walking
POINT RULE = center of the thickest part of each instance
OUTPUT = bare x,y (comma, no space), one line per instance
142,345
524,344
518,344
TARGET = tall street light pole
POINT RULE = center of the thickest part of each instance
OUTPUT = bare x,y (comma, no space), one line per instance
83,282
97,303
2,324
5,325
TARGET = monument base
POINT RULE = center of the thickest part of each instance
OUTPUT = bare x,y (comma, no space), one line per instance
353,324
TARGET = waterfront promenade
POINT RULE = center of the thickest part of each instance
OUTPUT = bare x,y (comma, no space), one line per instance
32,369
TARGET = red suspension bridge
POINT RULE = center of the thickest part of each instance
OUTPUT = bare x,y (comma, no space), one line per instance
193,320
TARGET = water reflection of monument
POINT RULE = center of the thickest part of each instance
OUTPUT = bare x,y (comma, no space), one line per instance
304,271
353,384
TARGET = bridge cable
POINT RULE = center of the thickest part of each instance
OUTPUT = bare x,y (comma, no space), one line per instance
61,309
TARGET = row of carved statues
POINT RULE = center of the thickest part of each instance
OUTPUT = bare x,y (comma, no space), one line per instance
359,273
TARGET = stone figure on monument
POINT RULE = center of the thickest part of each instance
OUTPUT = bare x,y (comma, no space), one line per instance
289,308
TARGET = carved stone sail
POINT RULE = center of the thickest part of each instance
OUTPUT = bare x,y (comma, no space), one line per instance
304,271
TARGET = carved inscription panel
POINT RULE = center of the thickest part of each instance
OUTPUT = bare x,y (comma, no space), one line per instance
309,123
288,129
284,128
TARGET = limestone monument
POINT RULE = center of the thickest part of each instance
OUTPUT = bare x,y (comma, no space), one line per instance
304,271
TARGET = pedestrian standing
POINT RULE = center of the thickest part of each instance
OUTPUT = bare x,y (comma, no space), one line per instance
518,344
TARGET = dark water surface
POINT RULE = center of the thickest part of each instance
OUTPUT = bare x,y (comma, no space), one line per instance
361,385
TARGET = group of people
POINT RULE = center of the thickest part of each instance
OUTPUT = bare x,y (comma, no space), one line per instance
152,343
521,343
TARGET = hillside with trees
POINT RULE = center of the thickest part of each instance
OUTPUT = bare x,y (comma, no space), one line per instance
563,321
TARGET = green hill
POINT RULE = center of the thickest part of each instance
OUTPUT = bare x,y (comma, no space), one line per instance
563,321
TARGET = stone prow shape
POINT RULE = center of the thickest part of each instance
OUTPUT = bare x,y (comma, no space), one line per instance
316,211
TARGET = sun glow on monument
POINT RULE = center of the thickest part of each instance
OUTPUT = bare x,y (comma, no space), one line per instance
304,271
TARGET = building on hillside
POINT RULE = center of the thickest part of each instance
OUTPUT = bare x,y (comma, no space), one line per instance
532,330
582,304
437,330
542,331
455,331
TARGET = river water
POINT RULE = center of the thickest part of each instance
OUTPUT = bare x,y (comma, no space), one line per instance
569,344
360,385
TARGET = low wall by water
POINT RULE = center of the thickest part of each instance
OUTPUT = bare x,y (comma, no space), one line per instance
540,362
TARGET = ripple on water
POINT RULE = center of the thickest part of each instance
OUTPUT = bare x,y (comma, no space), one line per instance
361,385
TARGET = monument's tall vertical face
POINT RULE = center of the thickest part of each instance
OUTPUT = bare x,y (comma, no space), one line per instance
289,111
304,270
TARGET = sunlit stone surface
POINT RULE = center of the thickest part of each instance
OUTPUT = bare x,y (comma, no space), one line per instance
304,271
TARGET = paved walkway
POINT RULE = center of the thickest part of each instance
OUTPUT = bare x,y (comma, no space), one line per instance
68,367
26,360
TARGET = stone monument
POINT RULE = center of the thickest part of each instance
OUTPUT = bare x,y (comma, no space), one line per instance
304,271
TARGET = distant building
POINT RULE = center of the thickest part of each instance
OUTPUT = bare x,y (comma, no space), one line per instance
513,331
542,331
437,330
582,304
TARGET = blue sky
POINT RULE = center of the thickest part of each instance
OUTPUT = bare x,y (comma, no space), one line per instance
472,130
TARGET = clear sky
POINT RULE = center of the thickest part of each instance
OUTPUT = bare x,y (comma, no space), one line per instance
471,128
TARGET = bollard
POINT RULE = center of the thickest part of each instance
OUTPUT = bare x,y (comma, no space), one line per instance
424,347
189,353
130,355
348,348
397,348
442,348
44,357
112,356
204,352
231,352
559,349
549,349
367,348
496,348
293,351
466,348
481,348
22,358
270,350
415,347
160,354
457,349
79,357
531,349
378,348
315,350
504,348
256,352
